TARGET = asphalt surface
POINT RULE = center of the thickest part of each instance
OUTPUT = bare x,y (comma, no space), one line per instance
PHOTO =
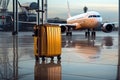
81,59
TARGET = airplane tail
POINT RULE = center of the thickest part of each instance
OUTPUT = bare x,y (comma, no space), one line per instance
68,9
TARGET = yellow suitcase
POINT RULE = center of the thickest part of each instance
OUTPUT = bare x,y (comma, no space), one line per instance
48,44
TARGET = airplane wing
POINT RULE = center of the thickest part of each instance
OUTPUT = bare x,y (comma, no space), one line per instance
60,24
66,25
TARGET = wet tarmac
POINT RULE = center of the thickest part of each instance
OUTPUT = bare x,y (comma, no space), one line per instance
82,58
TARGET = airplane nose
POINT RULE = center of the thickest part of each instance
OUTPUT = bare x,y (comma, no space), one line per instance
99,19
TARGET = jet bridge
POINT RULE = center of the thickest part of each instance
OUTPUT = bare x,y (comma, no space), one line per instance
4,5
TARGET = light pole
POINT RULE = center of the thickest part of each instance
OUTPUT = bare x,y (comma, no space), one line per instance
46,9
15,17
118,73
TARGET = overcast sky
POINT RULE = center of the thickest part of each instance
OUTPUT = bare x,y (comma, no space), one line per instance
58,8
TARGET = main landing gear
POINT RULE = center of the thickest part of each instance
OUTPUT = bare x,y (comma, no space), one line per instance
87,33
93,34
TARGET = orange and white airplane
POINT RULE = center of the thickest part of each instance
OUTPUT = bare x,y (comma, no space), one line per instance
89,20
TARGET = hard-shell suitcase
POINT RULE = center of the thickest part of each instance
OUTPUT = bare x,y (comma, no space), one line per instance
48,43
47,71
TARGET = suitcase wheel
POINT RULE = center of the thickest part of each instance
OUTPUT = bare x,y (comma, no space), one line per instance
43,58
52,58
59,58
36,58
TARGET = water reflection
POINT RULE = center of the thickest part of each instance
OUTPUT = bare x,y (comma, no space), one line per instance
15,57
118,73
71,42
107,42
9,70
47,71
86,49
5,67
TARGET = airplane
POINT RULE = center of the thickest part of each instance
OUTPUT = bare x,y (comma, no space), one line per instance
89,20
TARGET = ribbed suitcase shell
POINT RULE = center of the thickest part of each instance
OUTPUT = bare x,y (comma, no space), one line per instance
50,44
35,46
49,71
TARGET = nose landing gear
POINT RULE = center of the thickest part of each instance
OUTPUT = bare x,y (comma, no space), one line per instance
69,31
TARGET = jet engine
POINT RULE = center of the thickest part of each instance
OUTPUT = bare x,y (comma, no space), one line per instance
108,27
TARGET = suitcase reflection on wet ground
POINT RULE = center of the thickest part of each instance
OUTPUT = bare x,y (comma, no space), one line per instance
48,70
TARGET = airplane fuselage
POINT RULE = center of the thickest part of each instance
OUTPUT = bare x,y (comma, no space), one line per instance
86,20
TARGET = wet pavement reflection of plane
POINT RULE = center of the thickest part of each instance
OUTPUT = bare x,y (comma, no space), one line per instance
107,42
87,48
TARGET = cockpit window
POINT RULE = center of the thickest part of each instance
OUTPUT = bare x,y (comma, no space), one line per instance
91,16
97,15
